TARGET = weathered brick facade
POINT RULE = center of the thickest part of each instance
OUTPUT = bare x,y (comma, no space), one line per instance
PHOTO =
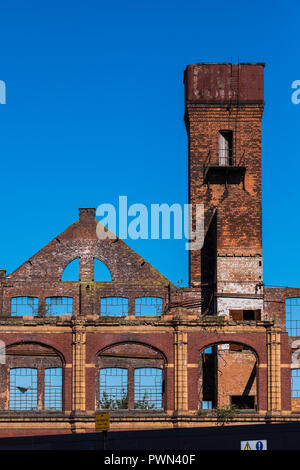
221,341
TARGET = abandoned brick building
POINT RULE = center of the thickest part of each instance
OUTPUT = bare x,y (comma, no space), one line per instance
154,354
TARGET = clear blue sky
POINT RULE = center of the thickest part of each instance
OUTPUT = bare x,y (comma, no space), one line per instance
95,105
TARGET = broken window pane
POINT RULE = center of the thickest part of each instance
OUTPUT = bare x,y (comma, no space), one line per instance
23,389
53,389
148,306
148,388
293,316
113,388
24,306
114,306
59,305
295,374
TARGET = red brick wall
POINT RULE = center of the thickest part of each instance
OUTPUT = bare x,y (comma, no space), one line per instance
199,341
162,342
210,108
234,373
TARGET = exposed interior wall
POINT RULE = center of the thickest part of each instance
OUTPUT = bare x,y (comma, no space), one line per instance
236,374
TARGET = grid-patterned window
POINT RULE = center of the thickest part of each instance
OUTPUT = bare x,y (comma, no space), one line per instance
20,306
59,305
114,306
148,388
148,306
23,389
113,388
53,389
295,375
292,309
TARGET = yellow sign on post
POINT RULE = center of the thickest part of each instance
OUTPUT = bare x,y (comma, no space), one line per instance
101,421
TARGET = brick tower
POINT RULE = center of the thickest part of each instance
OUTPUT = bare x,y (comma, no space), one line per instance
223,111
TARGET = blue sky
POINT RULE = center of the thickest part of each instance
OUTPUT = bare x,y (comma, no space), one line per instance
95,105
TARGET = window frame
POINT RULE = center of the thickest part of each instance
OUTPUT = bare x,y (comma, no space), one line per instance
293,390
137,304
122,305
118,397
19,297
67,304
31,355
135,386
126,359
225,147
289,320
61,388
11,386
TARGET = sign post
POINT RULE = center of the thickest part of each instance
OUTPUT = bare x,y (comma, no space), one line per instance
102,424
254,445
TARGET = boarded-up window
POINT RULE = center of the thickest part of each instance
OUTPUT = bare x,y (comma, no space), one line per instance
236,314
236,347
247,315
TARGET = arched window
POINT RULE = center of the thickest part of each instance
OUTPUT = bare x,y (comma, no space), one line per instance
114,306
227,377
71,271
32,378
59,305
148,306
131,376
292,310
101,271
20,306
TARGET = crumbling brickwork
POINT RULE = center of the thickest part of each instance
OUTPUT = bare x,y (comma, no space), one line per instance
221,341
226,97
